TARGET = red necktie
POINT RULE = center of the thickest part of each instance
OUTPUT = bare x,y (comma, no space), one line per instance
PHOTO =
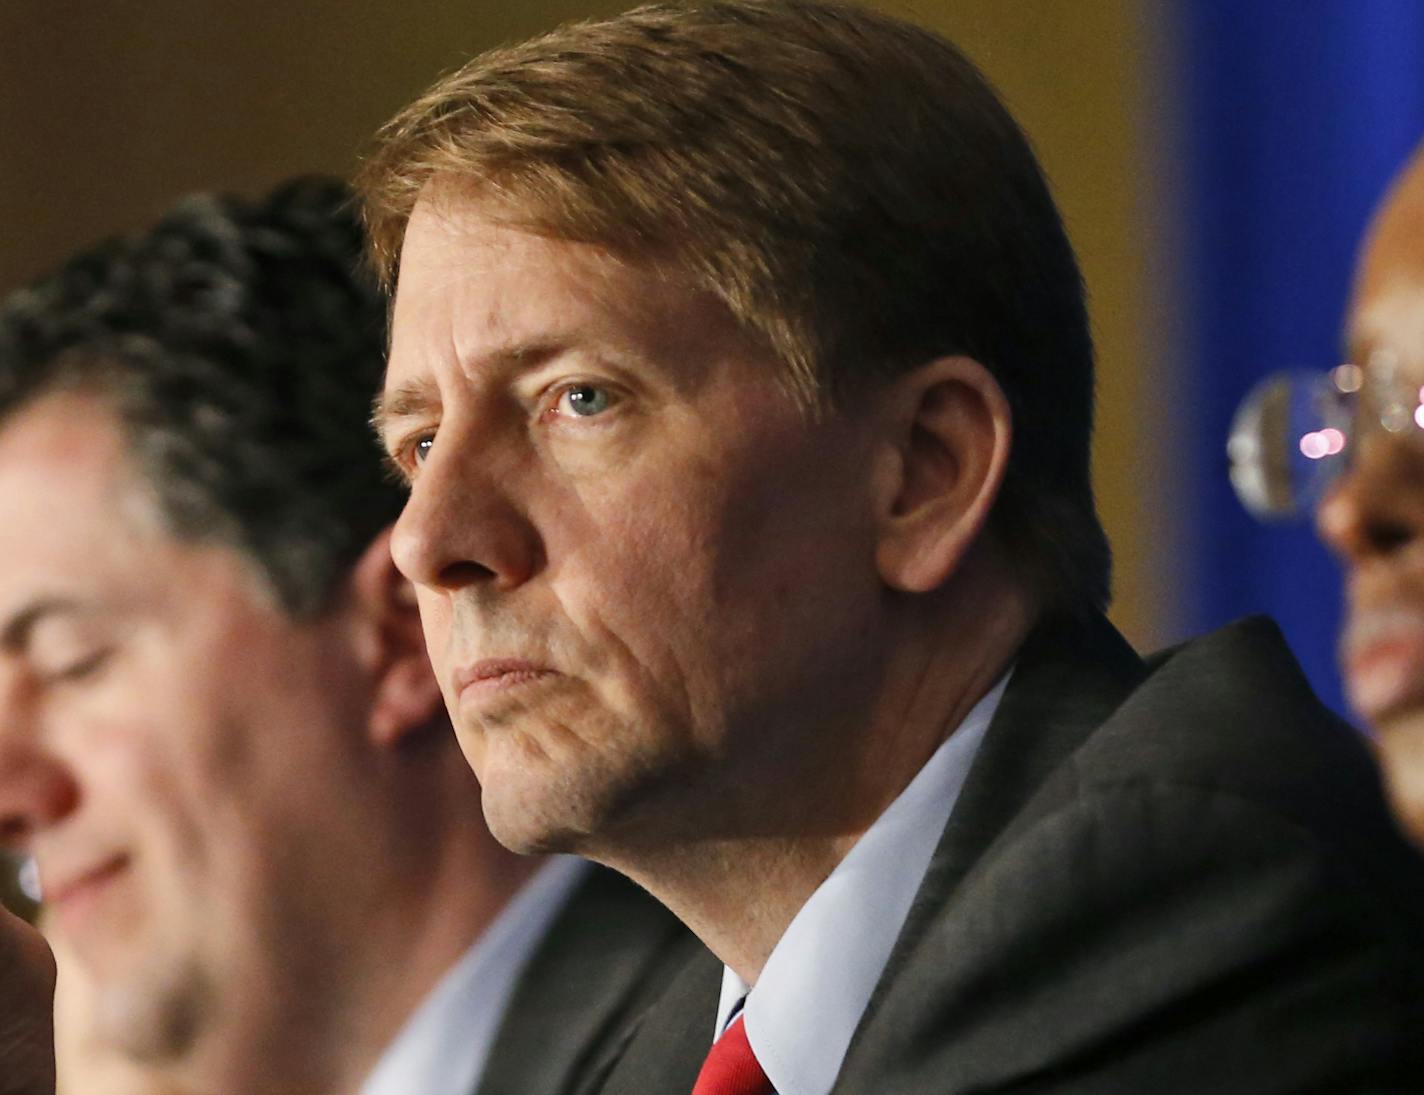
731,1068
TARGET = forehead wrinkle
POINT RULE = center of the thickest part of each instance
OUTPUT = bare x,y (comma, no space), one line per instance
511,260
514,298
409,399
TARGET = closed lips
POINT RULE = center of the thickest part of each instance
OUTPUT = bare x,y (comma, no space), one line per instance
498,672
67,885
1383,656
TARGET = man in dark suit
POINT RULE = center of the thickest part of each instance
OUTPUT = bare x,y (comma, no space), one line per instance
742,380
220,738
1172,875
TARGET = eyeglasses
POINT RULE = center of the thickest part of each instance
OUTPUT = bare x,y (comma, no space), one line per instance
19,885
1295,433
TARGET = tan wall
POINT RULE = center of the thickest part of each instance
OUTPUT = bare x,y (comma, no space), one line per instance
1080,76
110,109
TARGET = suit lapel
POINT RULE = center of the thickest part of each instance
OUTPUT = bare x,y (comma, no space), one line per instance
673,1037
610,950
1069,678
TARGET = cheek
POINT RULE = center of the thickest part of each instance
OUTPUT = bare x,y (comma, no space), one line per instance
689,576
130,749
171,781
138,798
191,769
793,588
435,623
632,579
673,593
471,747
791,538
649,569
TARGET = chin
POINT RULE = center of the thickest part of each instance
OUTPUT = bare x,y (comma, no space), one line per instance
157,1014
524,825
1400,743
531,805
536,805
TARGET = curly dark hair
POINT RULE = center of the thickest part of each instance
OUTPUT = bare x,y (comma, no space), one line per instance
240,344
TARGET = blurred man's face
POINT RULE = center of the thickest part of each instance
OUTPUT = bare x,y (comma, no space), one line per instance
643,571
174,750
1374,518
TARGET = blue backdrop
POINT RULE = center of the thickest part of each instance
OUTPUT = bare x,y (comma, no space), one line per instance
1296,116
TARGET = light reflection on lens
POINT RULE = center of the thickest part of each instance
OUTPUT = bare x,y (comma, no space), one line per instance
1295,432
1289,440
1319,444
29,880
1348,378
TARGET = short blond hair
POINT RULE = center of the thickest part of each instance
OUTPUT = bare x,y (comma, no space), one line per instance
845,182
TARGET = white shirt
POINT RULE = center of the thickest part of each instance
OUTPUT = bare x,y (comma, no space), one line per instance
443,1046
815,986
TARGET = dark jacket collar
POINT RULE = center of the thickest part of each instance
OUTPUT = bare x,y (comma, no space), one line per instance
1069,677
607,956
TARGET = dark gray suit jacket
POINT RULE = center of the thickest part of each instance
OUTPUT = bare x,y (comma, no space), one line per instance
609,953
1160,877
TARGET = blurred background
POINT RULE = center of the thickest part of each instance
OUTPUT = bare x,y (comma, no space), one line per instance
1216,162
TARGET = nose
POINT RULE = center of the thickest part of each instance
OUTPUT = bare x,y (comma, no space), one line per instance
463,525
1376,510
37,789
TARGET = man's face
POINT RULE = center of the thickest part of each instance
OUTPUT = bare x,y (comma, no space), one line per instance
646,575
1374,518
173,748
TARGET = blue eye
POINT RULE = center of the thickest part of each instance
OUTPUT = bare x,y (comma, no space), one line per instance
422,449
585,400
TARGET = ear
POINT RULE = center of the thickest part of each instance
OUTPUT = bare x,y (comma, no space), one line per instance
950,431
405,696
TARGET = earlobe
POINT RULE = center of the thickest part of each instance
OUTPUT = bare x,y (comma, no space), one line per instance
406,701
405,696
951,431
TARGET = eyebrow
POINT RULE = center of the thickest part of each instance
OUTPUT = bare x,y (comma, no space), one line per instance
15,633
415,397
420,396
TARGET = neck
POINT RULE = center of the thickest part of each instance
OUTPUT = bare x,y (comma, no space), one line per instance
437,881
776,839
452,909
1400,747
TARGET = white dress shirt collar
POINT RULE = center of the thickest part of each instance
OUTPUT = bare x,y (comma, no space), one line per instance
816,984
443,1046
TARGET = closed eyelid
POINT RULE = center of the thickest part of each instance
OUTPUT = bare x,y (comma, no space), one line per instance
81,666
64,645
18,631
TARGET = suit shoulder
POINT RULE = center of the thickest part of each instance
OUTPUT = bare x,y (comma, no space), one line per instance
1148,936
1232,712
